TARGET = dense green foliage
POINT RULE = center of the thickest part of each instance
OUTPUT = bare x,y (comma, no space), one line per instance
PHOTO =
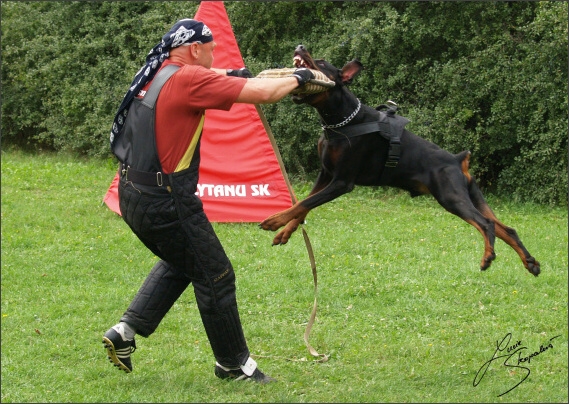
67,65
490,77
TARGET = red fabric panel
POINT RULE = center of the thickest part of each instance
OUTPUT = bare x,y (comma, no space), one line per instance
240,177
112,196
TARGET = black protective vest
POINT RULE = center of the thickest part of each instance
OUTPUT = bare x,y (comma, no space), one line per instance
136,143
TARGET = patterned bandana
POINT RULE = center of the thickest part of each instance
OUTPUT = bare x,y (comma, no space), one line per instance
184,32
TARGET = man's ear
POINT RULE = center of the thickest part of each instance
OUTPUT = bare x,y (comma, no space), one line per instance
194,49
351,70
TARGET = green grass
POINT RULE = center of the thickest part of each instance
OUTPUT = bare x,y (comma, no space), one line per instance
404,312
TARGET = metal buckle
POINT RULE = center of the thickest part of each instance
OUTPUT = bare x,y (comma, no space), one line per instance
159,179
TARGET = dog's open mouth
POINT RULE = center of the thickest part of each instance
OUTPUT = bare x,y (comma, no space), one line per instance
299,62
303,59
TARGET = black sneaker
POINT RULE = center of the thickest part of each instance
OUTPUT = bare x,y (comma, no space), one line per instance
238,374
119,350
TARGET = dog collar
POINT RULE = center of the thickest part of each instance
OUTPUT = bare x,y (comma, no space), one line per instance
345,121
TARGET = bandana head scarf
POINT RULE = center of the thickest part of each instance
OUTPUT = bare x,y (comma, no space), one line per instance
184,32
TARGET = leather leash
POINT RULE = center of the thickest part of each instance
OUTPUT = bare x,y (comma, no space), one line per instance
313,352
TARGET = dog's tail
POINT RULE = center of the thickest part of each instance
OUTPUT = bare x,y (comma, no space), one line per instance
463,159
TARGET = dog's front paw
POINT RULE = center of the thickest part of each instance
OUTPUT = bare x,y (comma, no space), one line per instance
289,217
272,223
283,236
280,239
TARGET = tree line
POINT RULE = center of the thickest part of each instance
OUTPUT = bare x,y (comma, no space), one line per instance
490,77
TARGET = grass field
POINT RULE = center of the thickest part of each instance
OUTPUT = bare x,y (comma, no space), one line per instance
404,312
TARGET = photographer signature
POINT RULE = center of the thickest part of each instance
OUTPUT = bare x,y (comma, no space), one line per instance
513,358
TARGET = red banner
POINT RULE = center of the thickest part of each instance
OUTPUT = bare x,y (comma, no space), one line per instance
240,176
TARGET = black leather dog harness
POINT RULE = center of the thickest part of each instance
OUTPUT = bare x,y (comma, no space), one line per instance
389,125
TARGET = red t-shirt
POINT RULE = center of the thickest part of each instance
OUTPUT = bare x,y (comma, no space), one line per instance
181,105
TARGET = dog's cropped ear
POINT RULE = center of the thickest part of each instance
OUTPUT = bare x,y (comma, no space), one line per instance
351,70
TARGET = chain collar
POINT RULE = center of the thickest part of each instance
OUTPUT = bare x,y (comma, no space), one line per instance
345,121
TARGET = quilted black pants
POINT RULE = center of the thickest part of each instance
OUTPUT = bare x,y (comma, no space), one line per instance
174,226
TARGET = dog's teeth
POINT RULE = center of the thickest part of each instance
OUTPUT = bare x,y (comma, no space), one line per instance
299,62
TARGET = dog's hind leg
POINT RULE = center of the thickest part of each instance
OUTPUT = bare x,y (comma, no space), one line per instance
503,232
507,234
449,187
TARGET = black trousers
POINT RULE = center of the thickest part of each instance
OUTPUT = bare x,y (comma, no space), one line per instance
175,228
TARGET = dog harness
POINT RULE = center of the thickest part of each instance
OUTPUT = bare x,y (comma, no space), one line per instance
389,125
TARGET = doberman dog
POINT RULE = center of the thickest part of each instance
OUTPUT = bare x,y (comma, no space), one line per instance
354,150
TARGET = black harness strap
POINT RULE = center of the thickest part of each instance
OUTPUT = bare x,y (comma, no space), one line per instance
389,125
161,78
364,128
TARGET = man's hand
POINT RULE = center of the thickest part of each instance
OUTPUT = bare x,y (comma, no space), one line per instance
243,72
303,75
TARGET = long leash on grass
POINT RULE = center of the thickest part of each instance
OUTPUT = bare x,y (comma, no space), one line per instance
313,352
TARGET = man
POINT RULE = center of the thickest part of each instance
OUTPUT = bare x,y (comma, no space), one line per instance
158,145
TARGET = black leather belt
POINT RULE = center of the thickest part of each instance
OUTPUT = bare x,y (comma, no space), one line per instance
157,179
